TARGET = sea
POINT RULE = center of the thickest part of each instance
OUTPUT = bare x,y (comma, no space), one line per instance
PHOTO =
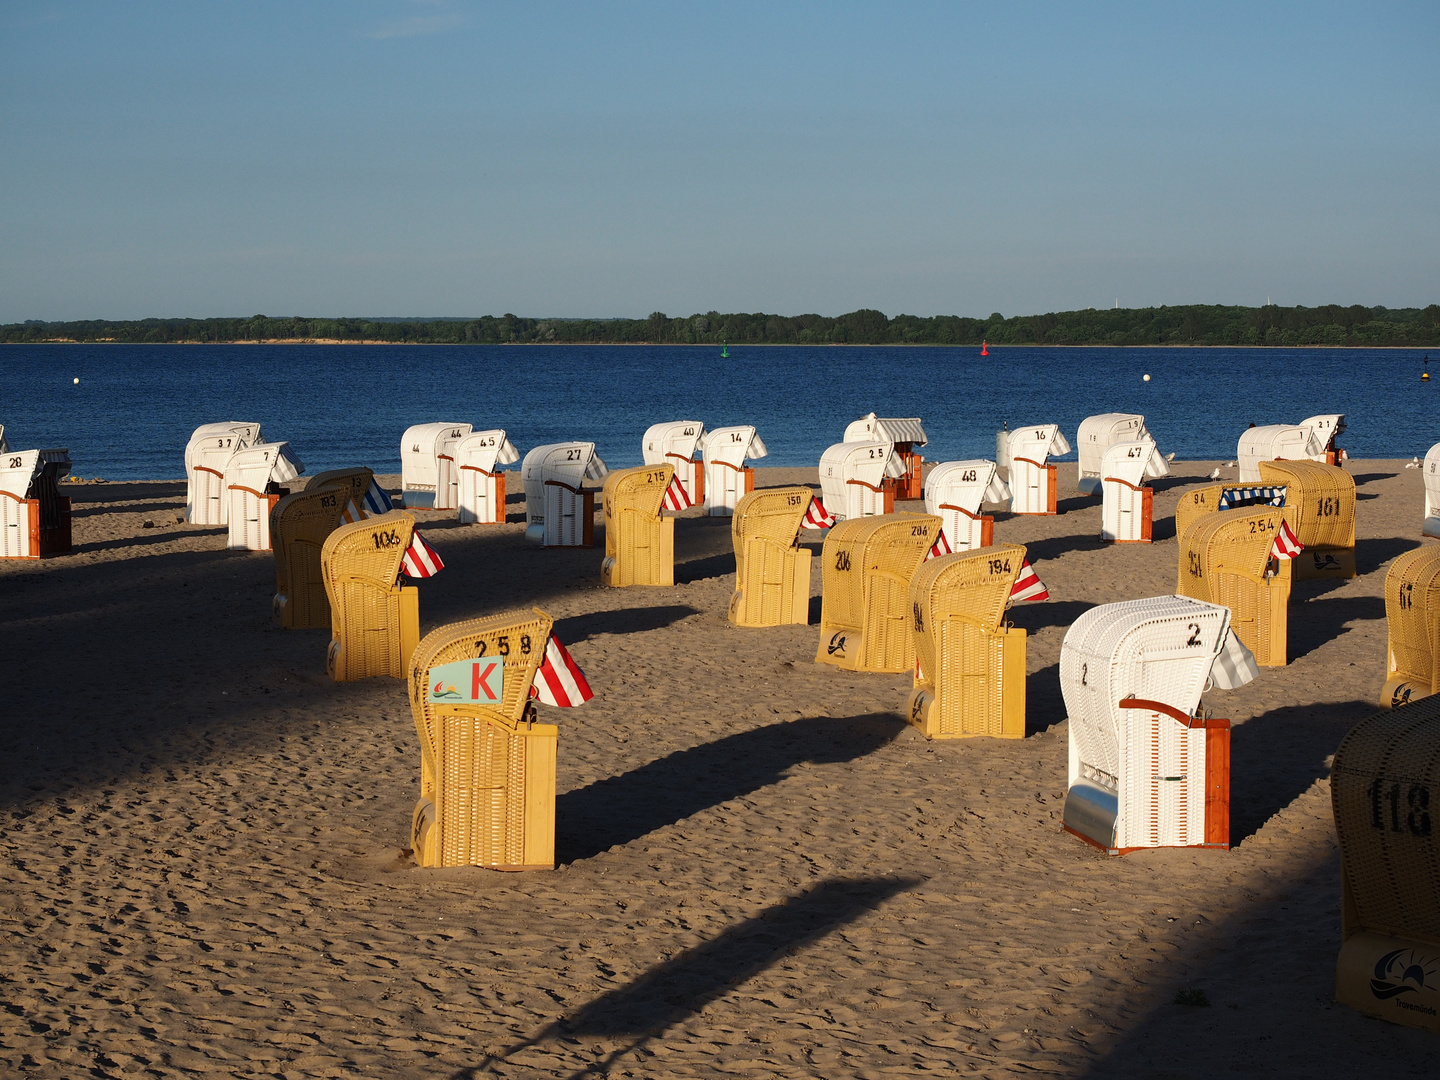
132,411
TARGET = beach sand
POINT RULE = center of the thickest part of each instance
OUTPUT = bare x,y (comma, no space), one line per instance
764,872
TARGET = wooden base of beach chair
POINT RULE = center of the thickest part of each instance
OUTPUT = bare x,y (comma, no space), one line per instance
971,701
47,529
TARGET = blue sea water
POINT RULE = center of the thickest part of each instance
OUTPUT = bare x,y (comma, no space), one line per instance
339,405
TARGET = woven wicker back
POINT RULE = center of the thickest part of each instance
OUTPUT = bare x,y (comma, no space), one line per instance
1412,617
517,637
356,481
1194,504
971,678
772,572
487,773
636,552
970,585
299,526
373,621
1385,790
1321,501
1224,560
867,566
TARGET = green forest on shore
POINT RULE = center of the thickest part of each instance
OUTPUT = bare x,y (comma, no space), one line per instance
1194,324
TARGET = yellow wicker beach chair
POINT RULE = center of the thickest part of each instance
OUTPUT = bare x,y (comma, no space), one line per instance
299,526
487,769
772,570
1320,501
1385,792
865,618
374,620
356,481
971,670
1195,504
1225,559
1412,622
639,541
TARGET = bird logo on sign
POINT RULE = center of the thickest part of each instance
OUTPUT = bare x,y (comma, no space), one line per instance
468,682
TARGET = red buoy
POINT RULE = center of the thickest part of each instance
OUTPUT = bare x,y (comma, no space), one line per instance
984,350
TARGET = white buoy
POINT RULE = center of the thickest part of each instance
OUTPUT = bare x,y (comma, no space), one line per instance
1147,377
77,382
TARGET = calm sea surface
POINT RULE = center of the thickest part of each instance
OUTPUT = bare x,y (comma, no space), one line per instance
340,405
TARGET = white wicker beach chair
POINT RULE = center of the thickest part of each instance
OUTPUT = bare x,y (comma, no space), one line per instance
252,479
727,478
478,457
1032,479
206,455
676,442
1096,435
1145,770
858,479
906,433
956,492
1128,502
558,511
429,479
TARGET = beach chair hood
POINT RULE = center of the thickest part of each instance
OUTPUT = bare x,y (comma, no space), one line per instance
1134,462
1097,434
1276,442
848,470
266,463
673,439
891,429
485,450
964,485
569,464
18,471
1327,428
420,450
212,444
733,445
1037,442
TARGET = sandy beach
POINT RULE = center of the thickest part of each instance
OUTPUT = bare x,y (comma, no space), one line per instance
764,872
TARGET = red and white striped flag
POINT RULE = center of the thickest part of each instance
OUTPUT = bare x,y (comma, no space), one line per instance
421,560
817,517
940,547
676,497
1028,585
560,682
1286,546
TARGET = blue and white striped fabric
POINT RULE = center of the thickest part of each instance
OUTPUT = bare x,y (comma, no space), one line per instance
1235,498
375,503
377,500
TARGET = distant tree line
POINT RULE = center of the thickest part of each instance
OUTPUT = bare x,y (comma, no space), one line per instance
1194,324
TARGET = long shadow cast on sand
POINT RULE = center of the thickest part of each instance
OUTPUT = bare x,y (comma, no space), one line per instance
672,992
623,808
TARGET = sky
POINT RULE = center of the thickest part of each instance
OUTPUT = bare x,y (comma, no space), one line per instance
450,158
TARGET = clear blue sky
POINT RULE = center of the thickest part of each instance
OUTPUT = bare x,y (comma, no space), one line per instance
397,157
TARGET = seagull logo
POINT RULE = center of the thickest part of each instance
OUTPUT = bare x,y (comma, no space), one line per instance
1403,971
837,644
